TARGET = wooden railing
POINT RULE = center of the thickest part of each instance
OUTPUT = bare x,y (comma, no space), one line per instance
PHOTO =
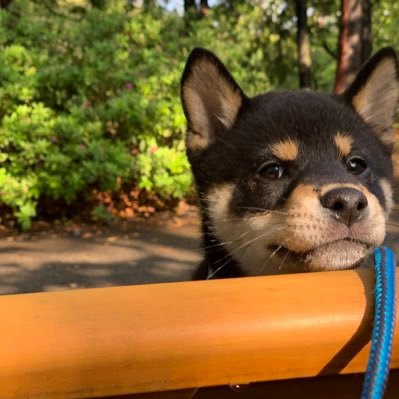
180,336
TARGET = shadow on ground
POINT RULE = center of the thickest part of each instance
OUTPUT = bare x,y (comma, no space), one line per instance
142,254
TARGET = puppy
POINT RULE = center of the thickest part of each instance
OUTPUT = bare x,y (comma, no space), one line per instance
289,181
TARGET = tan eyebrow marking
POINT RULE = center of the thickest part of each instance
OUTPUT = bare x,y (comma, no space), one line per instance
344,143
285,150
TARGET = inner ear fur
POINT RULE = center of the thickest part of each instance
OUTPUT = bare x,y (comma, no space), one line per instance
211,98
375,93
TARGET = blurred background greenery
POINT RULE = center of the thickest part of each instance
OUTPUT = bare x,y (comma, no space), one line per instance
90,114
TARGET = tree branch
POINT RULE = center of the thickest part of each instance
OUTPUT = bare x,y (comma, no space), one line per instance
330,52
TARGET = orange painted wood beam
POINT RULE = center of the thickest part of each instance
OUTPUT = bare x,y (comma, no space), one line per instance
149,338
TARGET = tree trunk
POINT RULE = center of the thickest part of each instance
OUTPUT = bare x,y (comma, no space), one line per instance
354,40
5,3
366,30
303,44
189,5
148,4
204,7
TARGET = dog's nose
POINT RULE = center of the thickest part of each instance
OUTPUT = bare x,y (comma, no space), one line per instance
348,204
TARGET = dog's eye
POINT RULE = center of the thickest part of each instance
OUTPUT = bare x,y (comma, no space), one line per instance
356,165
271,170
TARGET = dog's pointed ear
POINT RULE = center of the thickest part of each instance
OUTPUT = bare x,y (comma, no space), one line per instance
210,96
375,93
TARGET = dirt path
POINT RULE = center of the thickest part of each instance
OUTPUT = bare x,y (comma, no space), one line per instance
136,253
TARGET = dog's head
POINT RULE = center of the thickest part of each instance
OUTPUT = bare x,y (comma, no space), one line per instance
292,179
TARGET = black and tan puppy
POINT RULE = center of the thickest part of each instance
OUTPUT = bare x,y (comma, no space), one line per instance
289,180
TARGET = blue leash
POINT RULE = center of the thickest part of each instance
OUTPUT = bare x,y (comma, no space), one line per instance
377,372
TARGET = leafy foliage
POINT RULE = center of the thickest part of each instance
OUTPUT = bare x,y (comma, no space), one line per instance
87,105
89,95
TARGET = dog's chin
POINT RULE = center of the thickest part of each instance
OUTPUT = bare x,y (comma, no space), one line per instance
338,255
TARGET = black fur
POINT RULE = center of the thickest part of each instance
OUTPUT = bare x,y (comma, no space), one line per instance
312,119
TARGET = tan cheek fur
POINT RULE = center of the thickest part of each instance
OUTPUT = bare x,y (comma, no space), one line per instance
388,195
245,237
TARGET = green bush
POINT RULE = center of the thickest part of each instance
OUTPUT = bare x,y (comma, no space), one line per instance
88,103
89,92
90,99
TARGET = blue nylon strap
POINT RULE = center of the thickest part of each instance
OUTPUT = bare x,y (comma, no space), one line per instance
377,372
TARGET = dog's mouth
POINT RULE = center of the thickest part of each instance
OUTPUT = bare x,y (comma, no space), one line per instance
341,254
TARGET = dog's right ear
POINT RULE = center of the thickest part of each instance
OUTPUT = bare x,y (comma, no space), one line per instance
210,96
374,94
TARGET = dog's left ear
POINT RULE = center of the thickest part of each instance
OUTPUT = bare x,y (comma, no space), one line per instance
211,98
375,93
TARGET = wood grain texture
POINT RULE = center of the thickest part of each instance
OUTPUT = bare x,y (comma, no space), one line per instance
150,338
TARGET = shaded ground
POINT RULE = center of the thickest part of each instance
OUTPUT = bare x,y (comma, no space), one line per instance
130,253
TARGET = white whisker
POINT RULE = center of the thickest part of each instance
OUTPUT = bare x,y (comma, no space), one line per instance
247,243
262,209
272,254
283,261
